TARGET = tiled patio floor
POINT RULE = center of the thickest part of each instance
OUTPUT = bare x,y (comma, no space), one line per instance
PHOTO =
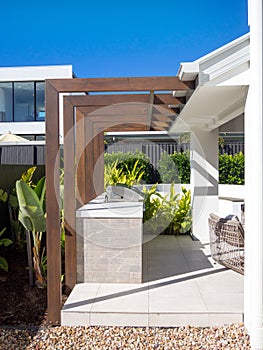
182,286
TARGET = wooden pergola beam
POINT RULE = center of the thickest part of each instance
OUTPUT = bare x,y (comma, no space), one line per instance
121,84
106,99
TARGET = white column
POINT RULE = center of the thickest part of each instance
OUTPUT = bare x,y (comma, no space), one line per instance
253,181
204,179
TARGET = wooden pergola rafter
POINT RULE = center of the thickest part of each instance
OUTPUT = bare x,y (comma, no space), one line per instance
85,118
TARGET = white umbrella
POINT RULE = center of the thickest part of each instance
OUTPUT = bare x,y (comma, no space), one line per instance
9,137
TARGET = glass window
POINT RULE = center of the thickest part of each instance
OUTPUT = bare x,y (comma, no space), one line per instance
40,137
24,101
28,137
40,101
6,102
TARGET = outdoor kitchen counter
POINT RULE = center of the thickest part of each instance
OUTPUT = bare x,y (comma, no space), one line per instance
99,208
109,242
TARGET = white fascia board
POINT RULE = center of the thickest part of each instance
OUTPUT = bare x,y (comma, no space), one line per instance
224,48
223,59
35,73
224,67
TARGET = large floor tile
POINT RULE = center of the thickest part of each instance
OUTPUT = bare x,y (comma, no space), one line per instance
224,302
121,298
81,298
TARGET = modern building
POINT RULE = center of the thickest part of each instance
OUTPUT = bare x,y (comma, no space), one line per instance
22,98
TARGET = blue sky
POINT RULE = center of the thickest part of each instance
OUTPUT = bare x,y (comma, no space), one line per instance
117,38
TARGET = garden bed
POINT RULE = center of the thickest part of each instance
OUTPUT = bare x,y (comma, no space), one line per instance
20,304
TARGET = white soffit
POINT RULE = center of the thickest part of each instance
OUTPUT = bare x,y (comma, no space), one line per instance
210,107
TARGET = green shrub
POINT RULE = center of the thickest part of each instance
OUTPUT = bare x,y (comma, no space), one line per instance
231,169
175,167
169,214
126,162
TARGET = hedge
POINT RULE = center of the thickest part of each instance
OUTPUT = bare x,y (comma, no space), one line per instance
232,169
176,167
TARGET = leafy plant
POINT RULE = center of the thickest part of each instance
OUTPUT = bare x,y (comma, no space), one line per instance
3,195
153,201
169,214
232,169
113,175
134,175
128,159
18,234
122,175
32,216
182,220
175,167
4,242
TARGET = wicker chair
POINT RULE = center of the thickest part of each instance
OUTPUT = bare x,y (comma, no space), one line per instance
227,242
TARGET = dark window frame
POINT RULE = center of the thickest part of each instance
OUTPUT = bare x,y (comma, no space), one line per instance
13,99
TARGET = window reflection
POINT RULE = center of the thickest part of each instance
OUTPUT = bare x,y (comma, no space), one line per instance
6,102
40,101
24,101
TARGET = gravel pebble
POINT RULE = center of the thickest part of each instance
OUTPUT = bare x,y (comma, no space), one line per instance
85,338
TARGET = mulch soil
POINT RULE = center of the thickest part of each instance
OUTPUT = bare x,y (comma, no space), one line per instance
20,304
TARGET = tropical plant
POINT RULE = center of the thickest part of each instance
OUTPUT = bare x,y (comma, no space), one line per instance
114,175
134,175
17,230
182,219
32,216
4,242
153,201
169,214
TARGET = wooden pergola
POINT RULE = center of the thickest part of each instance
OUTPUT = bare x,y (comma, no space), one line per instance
107,104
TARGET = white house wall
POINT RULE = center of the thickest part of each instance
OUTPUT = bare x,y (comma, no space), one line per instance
23,128
35,73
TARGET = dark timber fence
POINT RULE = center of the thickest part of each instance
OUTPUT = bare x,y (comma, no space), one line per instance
232,147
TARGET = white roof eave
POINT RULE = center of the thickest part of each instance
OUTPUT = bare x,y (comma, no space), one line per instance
222,79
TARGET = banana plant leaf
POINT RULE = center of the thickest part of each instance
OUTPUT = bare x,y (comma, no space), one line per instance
31,214
28,174
40,190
